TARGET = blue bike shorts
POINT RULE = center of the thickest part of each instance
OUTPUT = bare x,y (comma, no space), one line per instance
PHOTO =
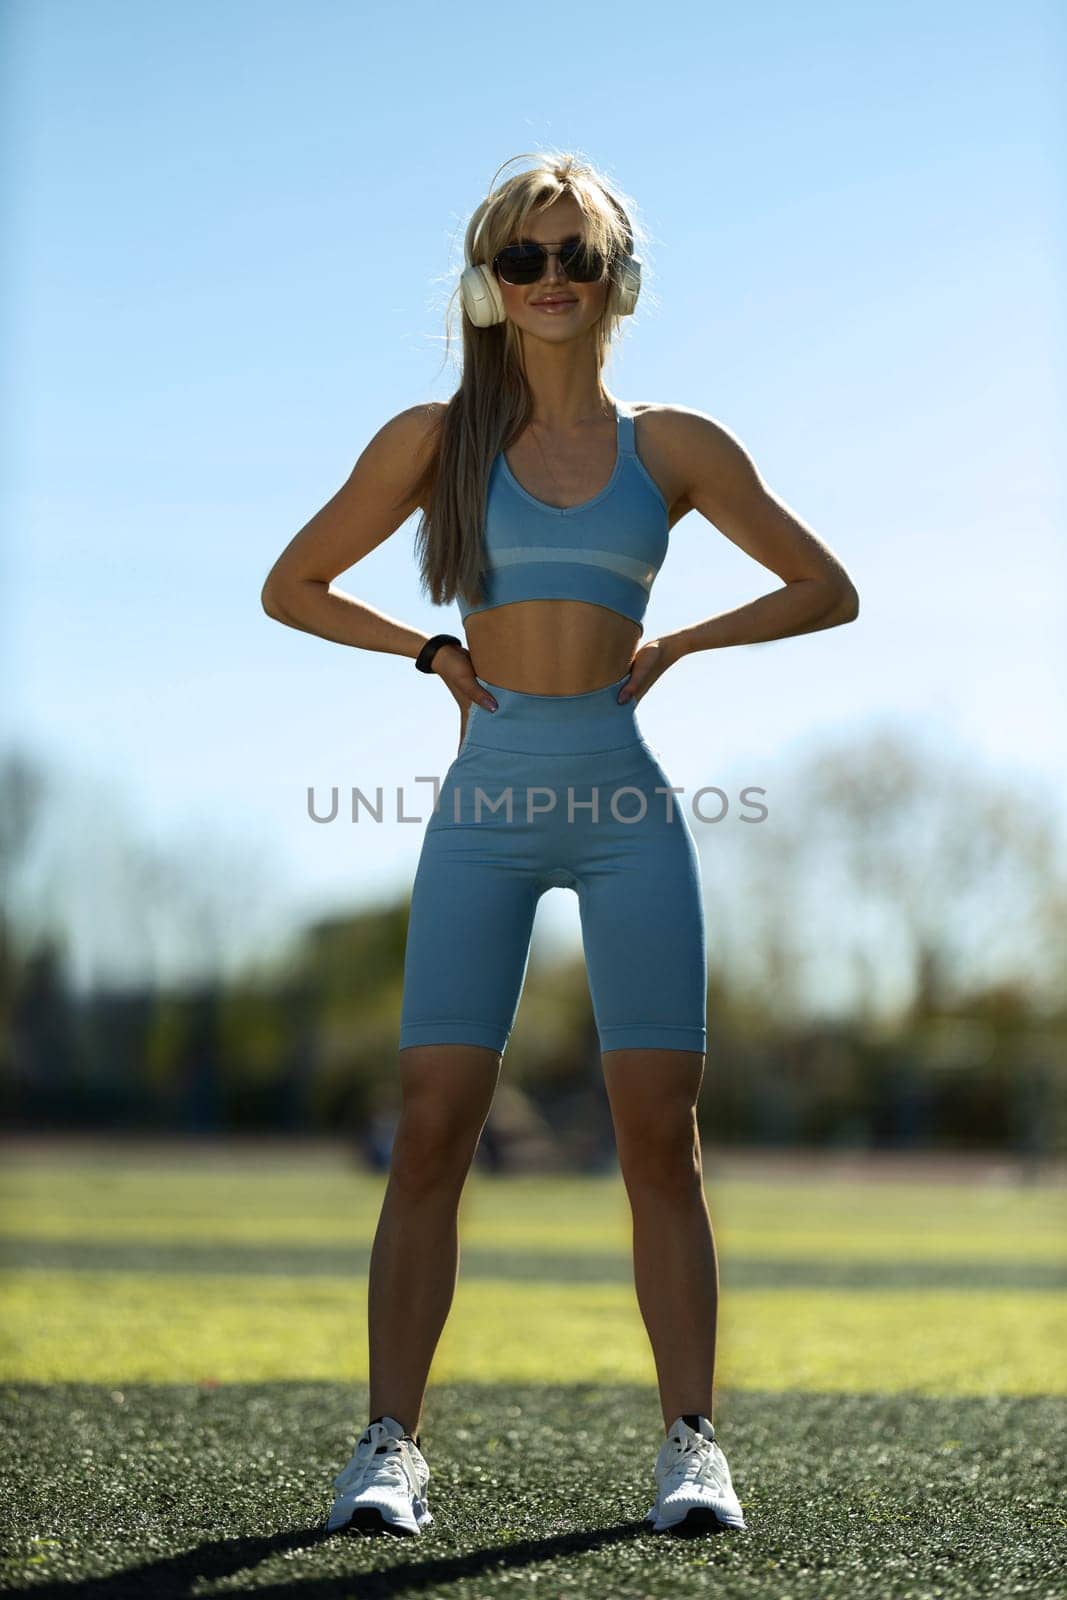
556,791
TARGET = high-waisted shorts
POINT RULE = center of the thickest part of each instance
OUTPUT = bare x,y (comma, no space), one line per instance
556,791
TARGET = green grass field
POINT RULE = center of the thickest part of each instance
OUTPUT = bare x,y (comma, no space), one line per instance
184,1370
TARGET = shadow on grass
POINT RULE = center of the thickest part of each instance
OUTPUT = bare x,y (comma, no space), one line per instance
176,1576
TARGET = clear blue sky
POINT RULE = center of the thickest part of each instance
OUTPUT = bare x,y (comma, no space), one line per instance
231,232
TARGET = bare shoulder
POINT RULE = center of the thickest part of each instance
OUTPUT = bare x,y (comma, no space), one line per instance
679,430
679,445
416,429
402,449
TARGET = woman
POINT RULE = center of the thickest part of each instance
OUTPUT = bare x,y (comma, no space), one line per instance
546,508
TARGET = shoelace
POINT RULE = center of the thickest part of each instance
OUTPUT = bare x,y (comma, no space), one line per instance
392,1462
698,1461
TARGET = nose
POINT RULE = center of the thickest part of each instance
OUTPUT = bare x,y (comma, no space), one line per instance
553,271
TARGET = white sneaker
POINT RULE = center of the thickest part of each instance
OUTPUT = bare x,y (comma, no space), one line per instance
695,1492
383,1487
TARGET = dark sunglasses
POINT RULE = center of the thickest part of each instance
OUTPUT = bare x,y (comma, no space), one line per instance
524,263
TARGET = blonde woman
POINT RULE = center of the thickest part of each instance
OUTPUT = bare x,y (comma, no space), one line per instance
546,508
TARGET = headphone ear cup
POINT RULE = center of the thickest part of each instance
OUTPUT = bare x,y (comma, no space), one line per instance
629,285
480,293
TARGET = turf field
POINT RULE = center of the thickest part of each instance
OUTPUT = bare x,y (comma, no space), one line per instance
184,1370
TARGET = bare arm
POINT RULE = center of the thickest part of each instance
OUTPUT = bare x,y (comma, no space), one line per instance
723,484
370,505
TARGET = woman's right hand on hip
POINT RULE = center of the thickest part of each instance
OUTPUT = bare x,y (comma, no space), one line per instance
453,663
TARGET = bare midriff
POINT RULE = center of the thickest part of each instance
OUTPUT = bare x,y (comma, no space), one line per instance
551,646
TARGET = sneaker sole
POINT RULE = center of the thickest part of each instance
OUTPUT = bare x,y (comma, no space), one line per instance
697,1520
370,1520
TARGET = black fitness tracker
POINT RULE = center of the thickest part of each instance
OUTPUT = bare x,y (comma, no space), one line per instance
424,659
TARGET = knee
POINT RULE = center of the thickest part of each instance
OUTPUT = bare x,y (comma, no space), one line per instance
663,1157
431,1152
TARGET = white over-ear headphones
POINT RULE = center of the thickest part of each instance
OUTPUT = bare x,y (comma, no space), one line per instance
484,304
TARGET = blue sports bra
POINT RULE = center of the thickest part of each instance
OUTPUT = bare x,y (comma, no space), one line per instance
606,550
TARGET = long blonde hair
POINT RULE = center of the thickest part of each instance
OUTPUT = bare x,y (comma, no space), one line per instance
493,402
